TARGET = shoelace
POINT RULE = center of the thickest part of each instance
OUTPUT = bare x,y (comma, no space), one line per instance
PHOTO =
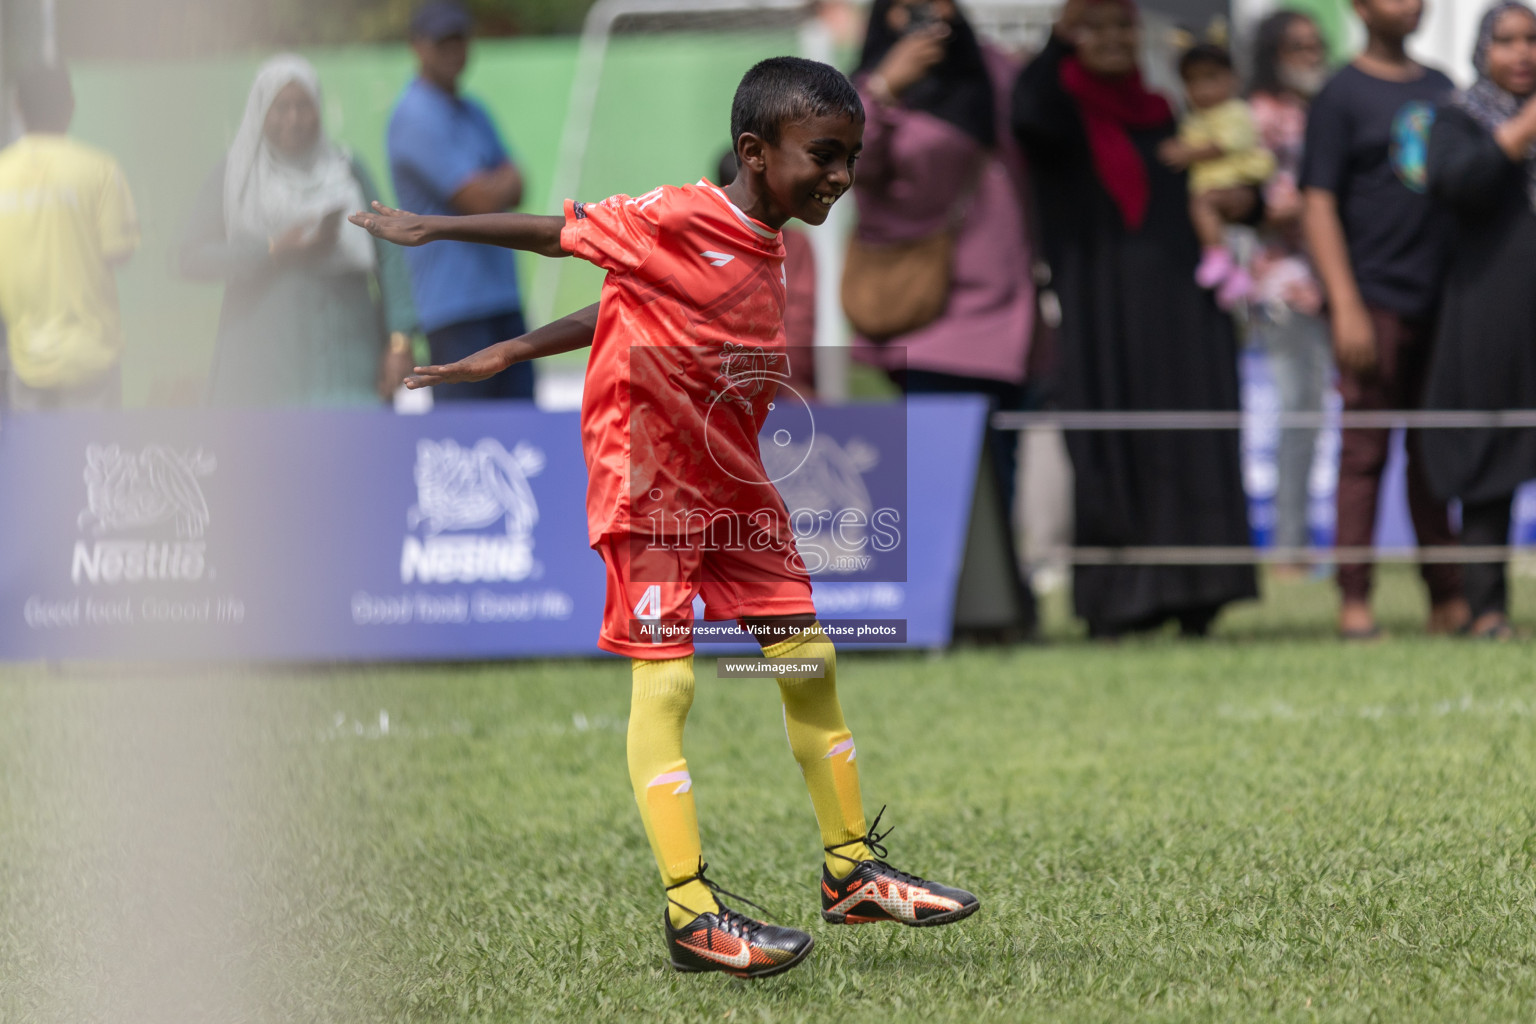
731,922
872,840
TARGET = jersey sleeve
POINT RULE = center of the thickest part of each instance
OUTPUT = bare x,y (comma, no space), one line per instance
617,234
117,221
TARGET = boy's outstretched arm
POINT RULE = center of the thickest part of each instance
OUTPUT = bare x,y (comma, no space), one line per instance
564,335
523,231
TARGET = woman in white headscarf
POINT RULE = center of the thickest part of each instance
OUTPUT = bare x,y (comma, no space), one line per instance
1482,165
301,323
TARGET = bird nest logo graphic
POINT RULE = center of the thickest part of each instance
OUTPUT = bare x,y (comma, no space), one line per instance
461,490
746,372
141,493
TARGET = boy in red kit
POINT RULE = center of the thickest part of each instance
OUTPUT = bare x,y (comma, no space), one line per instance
687,352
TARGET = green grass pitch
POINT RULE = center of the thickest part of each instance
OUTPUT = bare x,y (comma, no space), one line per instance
1265,826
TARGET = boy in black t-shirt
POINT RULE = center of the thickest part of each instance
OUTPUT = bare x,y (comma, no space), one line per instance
1380,246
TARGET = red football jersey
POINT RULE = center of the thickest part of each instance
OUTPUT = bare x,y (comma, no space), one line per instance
688,355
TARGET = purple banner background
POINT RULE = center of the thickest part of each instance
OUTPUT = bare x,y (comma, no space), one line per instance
369,536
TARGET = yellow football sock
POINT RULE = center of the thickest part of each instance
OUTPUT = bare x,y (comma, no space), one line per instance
658,707
823,746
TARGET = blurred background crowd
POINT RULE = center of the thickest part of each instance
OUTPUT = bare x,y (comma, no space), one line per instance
1096,216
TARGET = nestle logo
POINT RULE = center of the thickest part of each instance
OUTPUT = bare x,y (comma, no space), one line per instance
461,489
155,490
134,561
465,560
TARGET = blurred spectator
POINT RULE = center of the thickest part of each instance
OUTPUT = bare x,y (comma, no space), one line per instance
1482,164
1137,332
800,294
1289,67
1380,244
66,221
300,324
446,158
940,192
1219,146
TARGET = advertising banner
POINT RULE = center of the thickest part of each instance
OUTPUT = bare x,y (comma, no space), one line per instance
459,535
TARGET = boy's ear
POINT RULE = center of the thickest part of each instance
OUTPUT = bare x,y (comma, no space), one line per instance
750,152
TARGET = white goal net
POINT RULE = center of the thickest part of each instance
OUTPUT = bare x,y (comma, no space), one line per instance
650,103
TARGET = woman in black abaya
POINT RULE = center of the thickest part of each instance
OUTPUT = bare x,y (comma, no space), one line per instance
1482,164
1137,333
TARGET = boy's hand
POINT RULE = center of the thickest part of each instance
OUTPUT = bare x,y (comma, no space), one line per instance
483,364
397,226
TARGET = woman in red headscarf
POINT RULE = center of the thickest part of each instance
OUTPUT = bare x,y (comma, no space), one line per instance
1136,332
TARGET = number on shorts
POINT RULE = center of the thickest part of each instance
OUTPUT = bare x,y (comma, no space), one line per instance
649,605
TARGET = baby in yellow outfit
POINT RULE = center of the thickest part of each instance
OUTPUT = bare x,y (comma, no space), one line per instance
1219,145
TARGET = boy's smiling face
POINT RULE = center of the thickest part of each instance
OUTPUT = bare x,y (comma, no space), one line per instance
805,172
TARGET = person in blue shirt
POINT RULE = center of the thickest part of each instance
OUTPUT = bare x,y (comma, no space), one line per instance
446,157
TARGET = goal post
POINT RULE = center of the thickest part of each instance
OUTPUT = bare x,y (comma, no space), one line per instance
670,66
637,62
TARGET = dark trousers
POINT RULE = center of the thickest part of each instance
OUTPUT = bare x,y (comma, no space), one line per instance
454,342
1486,525
1402,361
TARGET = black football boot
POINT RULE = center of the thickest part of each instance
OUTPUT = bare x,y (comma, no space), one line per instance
875,891
724,940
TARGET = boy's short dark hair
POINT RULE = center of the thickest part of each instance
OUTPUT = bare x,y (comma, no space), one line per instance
783,90
45,98
1204,55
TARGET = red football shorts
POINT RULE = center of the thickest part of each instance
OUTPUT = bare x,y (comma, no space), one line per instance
650,587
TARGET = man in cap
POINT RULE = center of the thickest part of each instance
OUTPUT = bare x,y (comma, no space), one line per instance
446,157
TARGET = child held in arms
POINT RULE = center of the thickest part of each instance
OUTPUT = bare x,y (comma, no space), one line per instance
1220,146
670,432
